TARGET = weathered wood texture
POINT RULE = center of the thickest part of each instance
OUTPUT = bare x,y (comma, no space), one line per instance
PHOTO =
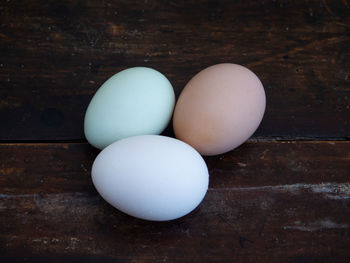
267,202
55,54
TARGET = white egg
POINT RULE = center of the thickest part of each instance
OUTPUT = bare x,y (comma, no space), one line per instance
151,177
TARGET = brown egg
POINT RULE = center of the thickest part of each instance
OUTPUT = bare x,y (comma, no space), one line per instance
219,108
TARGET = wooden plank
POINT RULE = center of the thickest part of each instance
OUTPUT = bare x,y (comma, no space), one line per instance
268,201
53,168
229,226
54,55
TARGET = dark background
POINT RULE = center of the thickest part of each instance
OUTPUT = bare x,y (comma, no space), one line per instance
284,196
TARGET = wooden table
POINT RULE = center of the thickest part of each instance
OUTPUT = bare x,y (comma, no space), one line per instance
284,196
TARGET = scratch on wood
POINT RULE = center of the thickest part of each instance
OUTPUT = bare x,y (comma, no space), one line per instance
188,233
73,243
311,45
262,156
315,226
37,196
330,189
11,170
338,197
10,196
327,8
342,24
116,30
84,168
346,3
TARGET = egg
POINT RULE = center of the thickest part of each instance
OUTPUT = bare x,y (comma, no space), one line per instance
135,101
219,108
151,177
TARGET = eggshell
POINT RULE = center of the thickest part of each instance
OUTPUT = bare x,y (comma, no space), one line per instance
219,108
151,177
135,101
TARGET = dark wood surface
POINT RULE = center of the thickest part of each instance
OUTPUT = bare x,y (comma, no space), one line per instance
267,202
55,54
284,196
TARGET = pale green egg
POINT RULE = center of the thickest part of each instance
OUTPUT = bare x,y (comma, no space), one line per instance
135,101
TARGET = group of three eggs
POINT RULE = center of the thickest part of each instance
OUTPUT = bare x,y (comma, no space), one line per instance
159,178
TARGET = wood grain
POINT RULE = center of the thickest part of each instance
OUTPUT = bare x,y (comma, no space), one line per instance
55,54
277,198
268,201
